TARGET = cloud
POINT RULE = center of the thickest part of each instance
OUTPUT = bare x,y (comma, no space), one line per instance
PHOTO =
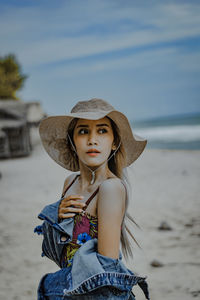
141,49
138,61
74,30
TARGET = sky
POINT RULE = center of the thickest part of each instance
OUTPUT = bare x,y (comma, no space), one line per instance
141,56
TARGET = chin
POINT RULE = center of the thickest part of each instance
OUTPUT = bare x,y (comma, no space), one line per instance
93,163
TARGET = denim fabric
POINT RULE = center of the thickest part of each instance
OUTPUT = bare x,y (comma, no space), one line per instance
91,276
54,232
54,286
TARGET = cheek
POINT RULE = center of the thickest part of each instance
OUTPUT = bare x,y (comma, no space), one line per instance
79,142
76,141
107,142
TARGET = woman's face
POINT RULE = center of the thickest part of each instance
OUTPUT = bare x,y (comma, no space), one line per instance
93,140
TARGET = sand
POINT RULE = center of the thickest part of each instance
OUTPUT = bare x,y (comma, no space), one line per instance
166,187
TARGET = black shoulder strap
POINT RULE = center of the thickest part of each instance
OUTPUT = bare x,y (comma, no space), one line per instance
91,197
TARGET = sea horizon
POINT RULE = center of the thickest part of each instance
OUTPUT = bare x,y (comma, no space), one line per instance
181,131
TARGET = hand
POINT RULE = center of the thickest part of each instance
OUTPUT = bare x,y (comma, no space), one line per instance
69,206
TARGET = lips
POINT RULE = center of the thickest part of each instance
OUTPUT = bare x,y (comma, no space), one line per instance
93,151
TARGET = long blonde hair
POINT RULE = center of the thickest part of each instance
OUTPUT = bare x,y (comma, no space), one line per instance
116,165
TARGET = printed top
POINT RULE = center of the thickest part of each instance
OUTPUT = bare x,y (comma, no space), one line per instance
85,228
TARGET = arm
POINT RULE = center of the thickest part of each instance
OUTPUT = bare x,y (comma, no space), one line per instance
111,209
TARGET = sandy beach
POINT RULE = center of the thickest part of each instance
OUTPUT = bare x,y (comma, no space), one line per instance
165,188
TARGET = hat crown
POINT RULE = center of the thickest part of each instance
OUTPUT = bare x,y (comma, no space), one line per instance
93,105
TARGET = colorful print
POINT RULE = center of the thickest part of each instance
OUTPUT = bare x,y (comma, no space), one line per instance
83,237
85,229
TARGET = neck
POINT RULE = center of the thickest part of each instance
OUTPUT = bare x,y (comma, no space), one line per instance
101,174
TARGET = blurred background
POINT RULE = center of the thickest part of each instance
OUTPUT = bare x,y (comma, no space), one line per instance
143,57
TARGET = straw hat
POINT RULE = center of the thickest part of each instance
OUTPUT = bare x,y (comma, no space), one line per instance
53,131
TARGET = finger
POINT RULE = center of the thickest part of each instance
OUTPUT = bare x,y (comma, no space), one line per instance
70,209
72,197
72,203
66,216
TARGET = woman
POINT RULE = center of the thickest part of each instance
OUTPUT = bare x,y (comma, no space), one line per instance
82,231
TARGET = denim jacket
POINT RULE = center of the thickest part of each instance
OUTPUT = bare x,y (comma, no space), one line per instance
91,276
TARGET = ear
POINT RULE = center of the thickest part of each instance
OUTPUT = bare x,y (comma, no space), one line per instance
114,147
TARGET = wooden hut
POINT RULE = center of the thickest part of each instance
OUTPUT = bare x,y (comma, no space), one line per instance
15,136
18,126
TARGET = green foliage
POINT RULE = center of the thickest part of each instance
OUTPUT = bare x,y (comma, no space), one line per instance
11,78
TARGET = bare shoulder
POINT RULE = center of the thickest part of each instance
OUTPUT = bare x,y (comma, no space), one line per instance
112,191
112,185
68,180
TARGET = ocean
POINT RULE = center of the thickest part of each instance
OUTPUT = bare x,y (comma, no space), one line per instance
170,132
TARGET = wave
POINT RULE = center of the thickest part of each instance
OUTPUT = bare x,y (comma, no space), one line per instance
173,137
179,133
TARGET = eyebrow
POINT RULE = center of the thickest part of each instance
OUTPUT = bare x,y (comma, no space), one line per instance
98,125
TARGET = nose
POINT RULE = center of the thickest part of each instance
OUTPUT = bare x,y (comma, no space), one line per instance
92,138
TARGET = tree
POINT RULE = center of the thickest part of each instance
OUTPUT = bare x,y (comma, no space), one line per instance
11,78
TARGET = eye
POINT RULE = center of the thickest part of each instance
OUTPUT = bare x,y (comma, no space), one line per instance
102,130
83,131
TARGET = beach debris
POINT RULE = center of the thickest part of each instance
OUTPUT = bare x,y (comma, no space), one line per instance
164,226
156,263
189,224
195,293
193,222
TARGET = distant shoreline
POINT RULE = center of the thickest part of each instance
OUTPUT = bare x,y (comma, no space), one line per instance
173,132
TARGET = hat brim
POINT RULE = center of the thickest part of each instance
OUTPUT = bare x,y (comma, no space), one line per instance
53,133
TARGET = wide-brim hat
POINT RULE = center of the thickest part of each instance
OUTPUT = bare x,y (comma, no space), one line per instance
53,132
